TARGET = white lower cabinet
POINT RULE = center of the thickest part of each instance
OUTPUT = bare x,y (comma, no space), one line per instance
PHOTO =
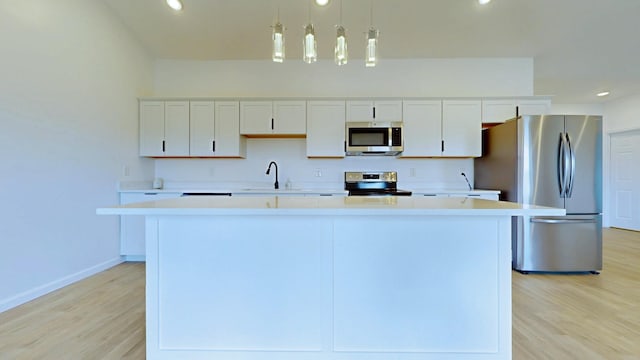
132,227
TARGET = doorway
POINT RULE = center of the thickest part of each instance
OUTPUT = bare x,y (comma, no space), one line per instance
625,180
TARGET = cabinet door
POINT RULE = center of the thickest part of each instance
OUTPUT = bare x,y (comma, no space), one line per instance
388,110
228,142
534,107
359,110
256,117
462,128
325,128
498,111
202,125
422,128
151,128
290,117
176,128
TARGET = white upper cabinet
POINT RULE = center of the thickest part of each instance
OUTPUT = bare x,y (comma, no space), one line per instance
379,110
422,128
215,129
164,128
534,106
461,128
325,128
228,142
273,117
202,128
500,110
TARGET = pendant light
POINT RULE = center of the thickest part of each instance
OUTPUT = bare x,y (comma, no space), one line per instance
371,56
175,4
309,44
341,53
278,41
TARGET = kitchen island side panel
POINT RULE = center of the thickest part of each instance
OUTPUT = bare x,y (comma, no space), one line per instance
328,287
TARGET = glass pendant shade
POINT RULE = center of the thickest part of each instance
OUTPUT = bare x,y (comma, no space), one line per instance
371,57
341,53
278,43
310,47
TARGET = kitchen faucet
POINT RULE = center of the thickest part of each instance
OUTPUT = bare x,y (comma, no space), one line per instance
275,184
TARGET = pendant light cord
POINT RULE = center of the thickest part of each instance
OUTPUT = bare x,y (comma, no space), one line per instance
371,17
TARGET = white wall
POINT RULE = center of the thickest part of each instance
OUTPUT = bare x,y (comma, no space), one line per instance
70,77
293,165
294,78
391,78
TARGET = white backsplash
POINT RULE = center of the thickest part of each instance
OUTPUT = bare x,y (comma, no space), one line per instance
293,165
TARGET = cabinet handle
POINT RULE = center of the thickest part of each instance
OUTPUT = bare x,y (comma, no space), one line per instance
345,146
374,112
213,146
271,123
442,146
163,148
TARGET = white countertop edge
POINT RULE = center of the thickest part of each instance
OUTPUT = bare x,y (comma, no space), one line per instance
331,205
330,212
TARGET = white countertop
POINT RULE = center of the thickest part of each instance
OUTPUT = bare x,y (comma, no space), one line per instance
455,191
330,205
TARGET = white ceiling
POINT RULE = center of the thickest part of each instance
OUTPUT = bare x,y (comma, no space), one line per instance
579,47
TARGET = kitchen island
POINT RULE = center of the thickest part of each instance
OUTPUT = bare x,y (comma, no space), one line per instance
337,277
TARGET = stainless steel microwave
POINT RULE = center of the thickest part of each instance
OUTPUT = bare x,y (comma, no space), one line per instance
373,138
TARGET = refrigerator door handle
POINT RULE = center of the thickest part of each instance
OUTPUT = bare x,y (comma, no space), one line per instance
572,173
567,165
561,158
563,221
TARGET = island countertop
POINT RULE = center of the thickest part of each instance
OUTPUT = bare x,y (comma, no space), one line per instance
333,205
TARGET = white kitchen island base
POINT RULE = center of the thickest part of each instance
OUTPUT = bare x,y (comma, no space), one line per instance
304,282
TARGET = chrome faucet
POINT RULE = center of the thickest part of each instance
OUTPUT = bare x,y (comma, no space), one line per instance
275,184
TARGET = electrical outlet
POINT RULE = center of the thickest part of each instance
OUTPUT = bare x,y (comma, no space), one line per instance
212,171
317,173
412,172
125,170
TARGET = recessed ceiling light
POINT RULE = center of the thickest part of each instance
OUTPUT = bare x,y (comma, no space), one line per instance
175,4
484,2
322,2
604,93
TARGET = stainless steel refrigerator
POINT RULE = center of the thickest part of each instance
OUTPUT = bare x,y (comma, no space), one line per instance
549,160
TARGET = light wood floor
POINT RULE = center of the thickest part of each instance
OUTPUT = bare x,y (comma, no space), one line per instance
554,317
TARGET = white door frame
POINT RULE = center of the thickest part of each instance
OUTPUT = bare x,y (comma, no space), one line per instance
624,177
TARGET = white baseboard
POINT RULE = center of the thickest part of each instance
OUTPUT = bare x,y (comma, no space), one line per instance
134,258
26,296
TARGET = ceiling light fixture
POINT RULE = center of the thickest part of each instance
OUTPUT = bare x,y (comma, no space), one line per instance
483,2
309,43
322,2
371,56
175,4
604,93
278,41
341,53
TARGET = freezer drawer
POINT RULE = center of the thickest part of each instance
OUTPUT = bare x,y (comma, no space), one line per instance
563,244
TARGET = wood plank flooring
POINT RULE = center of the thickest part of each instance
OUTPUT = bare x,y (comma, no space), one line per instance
554,317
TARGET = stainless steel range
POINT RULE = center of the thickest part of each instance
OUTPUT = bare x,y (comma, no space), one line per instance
377,183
